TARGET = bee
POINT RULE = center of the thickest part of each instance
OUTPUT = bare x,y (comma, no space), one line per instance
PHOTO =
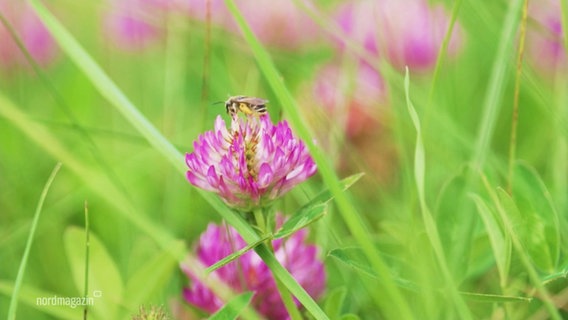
247,105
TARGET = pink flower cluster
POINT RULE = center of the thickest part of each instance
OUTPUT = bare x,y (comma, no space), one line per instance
249,273
250,164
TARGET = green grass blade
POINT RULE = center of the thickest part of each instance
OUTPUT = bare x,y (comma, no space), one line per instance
87,258
237,254
22,269
346,208
493,298
495,91
429,223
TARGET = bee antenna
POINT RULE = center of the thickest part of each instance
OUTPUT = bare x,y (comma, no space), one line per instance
217,102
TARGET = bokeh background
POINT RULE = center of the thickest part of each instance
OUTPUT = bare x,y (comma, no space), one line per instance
499,204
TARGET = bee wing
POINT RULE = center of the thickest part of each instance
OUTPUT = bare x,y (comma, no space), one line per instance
253,101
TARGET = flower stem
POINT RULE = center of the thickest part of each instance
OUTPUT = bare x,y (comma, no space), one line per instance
260,222
284,293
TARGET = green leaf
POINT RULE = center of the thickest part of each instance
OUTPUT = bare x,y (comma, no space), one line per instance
104,279
145,281
353,257
334,302
521,252
501,247
541,221
233,308
350,316
301,219
314,209
238,253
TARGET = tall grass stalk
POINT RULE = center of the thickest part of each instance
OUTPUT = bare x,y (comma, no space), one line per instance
515,117
87,250
497,81
23,263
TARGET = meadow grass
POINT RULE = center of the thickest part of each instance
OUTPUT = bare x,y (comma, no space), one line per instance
465,222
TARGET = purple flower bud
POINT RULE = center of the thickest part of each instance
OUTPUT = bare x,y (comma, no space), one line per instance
249,273
250,164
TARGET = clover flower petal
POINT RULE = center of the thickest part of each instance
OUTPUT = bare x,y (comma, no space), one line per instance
249,164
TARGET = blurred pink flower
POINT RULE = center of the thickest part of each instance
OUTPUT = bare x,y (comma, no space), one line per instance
279,23
135,24
249,273
406,32
276,23
32,33
350,98
545,46
250,164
